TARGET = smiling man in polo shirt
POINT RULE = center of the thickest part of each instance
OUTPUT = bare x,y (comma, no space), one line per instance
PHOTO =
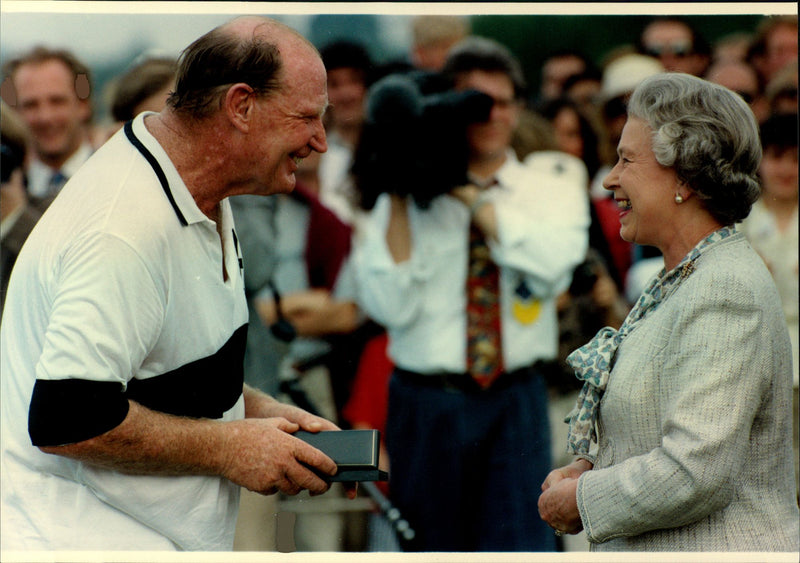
125,420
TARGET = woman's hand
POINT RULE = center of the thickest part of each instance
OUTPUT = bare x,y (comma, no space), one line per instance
558,503
571,471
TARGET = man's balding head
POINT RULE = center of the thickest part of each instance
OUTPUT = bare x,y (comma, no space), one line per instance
248,49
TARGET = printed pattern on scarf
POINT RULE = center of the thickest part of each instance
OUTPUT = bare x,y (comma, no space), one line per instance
593,362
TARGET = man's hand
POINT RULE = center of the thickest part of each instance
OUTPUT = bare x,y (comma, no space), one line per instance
264,457
258,404
261,405
481,210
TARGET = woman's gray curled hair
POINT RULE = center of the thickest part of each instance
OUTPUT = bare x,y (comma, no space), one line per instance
708,135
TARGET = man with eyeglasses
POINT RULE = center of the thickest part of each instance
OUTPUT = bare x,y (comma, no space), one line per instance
675,43
477,270
742,78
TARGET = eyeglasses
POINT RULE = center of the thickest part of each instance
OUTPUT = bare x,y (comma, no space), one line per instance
679,50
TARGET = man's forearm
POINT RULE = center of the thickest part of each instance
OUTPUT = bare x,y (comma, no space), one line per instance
151,442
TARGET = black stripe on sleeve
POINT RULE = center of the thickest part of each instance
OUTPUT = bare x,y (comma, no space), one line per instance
67,411
205,388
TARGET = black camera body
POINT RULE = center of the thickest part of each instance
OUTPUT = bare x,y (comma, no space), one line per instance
413,141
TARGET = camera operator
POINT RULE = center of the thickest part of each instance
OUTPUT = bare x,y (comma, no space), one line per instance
468,436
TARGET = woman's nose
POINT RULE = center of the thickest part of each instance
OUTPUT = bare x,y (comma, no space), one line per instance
610,181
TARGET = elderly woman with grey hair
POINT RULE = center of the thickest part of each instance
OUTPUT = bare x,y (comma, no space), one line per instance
690,400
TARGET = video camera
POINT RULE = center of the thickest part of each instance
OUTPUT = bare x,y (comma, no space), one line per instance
413,140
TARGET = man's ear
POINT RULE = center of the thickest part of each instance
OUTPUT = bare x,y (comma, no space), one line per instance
239,104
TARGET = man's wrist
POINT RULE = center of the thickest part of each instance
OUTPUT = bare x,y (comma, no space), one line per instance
481,199
257,404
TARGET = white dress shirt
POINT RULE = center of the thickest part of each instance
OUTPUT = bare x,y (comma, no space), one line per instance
543,223
39,173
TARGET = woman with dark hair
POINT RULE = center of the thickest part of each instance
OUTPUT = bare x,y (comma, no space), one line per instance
574,133
690,400
772,229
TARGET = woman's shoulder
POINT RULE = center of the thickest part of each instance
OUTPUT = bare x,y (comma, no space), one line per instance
732,256
732,270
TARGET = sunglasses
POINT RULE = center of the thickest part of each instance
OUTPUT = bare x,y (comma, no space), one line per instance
676,49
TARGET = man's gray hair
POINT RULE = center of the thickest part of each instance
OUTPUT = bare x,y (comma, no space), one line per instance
222,57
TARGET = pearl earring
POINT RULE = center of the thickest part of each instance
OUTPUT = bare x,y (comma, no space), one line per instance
678,199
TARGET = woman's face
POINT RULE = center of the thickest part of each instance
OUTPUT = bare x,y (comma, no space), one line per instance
567,128
643,188
779,174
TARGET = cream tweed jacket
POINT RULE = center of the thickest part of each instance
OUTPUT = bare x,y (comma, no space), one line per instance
694,427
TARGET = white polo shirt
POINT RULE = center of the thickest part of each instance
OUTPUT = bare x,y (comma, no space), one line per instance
118,293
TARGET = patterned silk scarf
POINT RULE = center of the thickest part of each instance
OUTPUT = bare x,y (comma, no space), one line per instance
593,362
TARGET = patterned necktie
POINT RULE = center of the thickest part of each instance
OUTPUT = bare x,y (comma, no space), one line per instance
57,181
484,352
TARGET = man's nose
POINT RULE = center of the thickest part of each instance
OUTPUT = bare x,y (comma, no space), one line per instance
319,141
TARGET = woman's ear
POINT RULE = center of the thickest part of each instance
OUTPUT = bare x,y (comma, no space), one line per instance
682,192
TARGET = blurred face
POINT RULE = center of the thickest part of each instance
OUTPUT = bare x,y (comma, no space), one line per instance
49,104
584,92
779,174
644,190
781,48
738,77
290,123
490,140
671,43
346,90
154,102
567,128
433,55
556,71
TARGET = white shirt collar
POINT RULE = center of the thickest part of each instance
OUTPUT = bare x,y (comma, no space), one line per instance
39,173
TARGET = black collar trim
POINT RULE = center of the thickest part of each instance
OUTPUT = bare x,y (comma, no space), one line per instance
156,168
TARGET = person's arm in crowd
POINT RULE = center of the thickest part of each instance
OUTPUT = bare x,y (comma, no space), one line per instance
481,209
314,312
257,453
388,290
541,231
398,233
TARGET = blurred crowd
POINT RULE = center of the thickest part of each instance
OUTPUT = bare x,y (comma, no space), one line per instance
310,338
